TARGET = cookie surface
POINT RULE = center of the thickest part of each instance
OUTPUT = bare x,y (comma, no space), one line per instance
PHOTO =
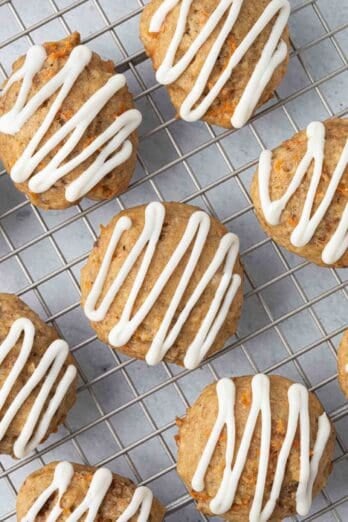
263,476
300,193
342,364
111,497
164,281
221,82
67,125
31,356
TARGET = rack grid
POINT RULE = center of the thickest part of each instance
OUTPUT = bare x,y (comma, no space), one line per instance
294,312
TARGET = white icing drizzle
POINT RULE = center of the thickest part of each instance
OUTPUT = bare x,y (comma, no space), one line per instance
93,500
47,372
63,475
308,223
196,104
142,499
196,232
112,143
298,413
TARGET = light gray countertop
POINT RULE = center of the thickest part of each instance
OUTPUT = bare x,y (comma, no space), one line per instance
294,312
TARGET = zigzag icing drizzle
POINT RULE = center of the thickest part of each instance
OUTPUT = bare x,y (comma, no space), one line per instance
92,502
47,373
196,103
196,233
262,509
113,144
308,224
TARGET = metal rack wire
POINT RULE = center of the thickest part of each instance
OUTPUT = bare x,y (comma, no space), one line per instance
294,312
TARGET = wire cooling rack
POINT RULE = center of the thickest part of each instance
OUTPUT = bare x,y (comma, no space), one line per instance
294,312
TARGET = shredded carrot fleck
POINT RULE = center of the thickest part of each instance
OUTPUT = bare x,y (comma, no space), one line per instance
179,422
278,164
58,50
200,496
342,190
232,43
280,427
222,436
65,114
88,141
245,398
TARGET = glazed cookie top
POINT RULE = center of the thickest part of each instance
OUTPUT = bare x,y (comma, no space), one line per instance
66,491
38,95
154,270
234,422
36,374
221,55
301,190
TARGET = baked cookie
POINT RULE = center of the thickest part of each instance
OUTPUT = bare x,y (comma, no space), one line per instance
342,364
72,491
220,59
37,378
164,282
255,448
67,125
300,193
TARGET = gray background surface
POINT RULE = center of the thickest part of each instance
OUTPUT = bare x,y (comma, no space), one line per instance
294,312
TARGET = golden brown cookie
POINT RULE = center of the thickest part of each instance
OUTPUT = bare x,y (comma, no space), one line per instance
67,125
37,378
243,452
163,281
208,54
300,193
110,496
342,364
